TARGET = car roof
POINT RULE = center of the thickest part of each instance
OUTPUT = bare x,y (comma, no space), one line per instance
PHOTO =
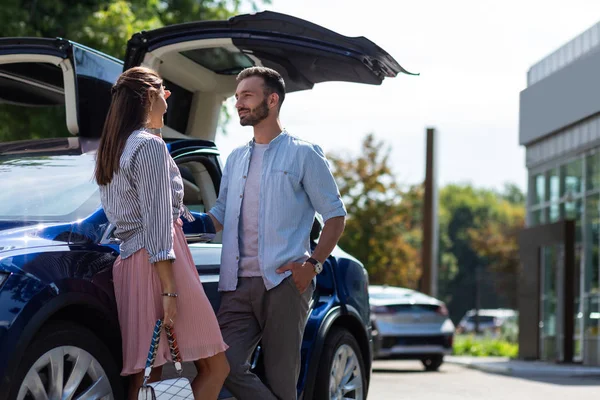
79,145
494,312
383,295
62,145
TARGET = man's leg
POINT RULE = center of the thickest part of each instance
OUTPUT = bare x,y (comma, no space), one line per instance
241,332
286,311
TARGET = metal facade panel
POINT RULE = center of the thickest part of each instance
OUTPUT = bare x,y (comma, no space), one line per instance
561,100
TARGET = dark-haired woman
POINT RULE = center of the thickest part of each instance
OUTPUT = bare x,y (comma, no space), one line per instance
154,276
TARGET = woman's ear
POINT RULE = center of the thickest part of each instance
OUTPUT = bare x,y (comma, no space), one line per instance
151,99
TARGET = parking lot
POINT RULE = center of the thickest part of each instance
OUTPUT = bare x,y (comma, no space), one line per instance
407,380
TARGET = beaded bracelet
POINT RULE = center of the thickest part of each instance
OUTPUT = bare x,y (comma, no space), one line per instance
170,294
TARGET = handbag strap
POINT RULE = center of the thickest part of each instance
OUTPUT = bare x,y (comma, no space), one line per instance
173,347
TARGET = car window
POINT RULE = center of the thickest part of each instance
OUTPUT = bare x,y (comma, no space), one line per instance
200,191
32,102
482,318
413,308
57,188
398,294
180,103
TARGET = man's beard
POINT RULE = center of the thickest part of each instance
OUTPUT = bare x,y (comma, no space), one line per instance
256,115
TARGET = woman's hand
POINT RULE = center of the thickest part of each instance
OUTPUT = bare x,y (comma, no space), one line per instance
169,310
167,283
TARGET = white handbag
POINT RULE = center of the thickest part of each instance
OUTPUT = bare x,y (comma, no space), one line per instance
170,389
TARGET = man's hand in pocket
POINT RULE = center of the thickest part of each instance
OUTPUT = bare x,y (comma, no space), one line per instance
302,274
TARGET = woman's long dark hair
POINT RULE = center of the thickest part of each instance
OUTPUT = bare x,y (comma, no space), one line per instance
128,112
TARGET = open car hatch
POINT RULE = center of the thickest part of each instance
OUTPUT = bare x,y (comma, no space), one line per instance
200,61
36,72
303,52
56,73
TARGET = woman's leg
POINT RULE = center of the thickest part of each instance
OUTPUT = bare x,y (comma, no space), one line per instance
136,380
212,372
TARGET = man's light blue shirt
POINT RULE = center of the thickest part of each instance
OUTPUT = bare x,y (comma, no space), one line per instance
295,183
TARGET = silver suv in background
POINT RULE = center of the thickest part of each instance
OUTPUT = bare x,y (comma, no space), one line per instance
491,321
410,325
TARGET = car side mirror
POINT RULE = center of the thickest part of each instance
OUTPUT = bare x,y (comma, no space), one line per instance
201,230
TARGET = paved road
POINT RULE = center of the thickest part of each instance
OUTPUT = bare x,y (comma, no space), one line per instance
399,380
406,380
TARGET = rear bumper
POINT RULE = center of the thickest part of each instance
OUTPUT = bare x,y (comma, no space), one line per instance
412,347
413,352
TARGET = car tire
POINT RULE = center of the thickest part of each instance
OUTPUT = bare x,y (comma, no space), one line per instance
340,351
433,363
87,367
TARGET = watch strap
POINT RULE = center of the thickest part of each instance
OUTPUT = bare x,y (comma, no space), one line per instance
316,264
312,261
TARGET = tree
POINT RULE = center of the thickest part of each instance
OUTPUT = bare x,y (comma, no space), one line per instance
478,230
105,25
381,229
496,241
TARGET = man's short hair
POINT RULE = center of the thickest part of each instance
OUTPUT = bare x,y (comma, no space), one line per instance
273,81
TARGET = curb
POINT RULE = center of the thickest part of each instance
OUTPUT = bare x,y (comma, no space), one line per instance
577,372
493,369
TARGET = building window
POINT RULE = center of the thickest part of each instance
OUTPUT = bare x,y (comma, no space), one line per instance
539,182
591,285
572,175
592,164
538,217
554,214
553,185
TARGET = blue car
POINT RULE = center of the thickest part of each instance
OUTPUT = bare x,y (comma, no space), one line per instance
59,333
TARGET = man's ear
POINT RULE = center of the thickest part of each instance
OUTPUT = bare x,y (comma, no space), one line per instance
273,100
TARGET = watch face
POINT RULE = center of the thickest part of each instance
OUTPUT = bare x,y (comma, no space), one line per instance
318,267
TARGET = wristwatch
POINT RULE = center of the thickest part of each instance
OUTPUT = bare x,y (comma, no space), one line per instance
318,266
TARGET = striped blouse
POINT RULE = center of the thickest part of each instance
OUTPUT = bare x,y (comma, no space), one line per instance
144,197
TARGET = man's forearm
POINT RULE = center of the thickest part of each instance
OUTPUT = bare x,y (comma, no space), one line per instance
217,224
332,231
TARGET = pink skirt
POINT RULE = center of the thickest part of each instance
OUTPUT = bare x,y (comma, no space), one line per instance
139,304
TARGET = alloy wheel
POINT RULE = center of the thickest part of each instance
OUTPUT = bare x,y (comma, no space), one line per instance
345,381
66,372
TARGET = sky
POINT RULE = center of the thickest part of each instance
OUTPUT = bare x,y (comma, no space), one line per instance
472,56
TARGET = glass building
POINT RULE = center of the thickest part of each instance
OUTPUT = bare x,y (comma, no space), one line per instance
559,125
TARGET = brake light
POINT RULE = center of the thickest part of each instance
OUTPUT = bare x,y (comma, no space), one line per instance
449,341
442,310
381,310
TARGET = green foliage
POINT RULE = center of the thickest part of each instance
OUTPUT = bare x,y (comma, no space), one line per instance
381,229
510,330
105,25
32,123
477,230
469,345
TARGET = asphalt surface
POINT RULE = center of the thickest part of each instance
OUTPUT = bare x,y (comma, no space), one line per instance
400,380
408,380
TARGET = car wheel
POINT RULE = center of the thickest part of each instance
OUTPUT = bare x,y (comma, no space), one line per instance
67,361
341,373
433,363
